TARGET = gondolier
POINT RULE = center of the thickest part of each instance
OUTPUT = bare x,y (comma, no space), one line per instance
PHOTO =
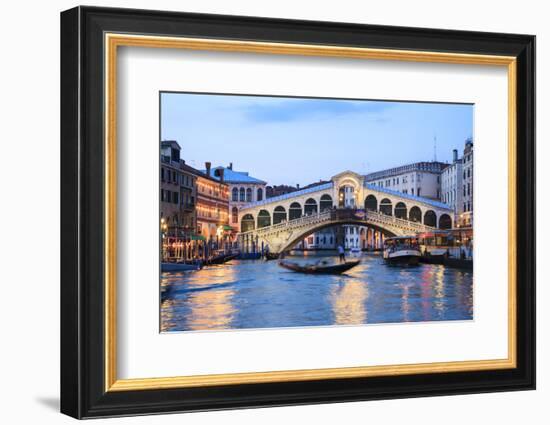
342,254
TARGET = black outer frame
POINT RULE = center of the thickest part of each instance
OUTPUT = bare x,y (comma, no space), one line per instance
82,207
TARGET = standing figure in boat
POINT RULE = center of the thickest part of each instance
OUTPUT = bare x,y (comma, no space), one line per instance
341,254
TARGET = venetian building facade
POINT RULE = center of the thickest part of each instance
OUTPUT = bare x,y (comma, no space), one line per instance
457,185
465,217
419,179
243,189
212,206
349,237
177,192
451,184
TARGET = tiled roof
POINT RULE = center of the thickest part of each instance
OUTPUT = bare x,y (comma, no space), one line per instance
231,176
419,199
279,198
197,173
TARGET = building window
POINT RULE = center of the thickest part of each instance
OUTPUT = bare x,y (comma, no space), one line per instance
235,215
260,194
235,194
162,174
241,194
248,195
417,191
176,198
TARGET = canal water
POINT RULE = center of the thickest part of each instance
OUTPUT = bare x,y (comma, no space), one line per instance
258,294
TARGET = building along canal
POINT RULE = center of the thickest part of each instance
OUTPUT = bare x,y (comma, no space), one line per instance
252,294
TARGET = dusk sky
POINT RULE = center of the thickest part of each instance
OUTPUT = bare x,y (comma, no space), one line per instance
300,141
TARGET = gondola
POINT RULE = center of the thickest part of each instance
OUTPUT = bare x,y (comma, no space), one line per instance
321,268
221,258
230,257
218,259
269,256
179,267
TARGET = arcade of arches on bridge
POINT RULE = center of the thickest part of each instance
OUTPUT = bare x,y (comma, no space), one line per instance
278,213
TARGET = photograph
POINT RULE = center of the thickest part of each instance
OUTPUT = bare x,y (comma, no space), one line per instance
281,212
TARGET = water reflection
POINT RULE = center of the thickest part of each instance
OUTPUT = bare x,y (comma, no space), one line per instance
198,300
348,302
439,289
258,294
211,310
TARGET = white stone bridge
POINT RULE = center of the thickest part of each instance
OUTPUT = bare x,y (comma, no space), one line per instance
283,221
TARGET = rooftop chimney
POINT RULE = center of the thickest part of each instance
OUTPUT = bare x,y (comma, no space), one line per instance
230,166
455,155
221,174
208,165
297,186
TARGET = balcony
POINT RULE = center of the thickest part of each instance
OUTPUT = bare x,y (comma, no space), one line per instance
188,205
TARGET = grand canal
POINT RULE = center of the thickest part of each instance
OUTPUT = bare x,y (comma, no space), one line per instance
258,294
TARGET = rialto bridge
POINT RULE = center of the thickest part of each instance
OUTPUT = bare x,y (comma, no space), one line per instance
283,221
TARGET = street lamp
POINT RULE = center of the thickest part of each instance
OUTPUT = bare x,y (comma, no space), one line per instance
163,227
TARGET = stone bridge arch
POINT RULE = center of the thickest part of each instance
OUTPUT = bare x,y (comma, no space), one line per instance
295,239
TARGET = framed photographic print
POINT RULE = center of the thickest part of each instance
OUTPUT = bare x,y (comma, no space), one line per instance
261,212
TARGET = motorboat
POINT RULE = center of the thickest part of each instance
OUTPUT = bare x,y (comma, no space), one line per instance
355,252
403,250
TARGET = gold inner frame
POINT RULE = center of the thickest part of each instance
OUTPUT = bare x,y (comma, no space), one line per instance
113,41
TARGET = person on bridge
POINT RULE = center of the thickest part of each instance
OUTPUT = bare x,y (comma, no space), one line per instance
342,253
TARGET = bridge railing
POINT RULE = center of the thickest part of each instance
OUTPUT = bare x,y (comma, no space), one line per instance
305,219
401,222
